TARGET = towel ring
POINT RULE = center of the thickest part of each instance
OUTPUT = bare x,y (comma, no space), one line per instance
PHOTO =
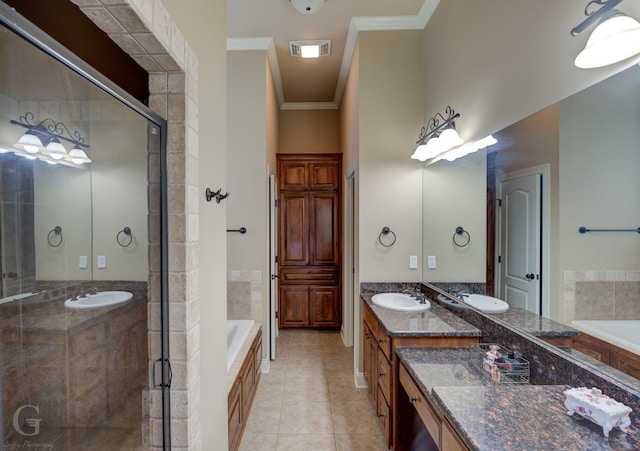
460,232
57,230
387,231
122,239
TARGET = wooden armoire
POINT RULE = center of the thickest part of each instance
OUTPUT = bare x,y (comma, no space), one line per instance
309,240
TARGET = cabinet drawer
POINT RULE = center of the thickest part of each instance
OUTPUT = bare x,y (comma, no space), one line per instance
235,415
308,276
372,322
421,404
384,375
384,342
383,412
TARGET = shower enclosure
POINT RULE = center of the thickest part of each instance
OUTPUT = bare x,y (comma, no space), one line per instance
83,261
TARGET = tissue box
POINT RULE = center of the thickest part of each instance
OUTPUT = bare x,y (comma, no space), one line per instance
599,408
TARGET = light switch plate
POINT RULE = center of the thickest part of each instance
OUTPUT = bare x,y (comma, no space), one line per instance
431,262
413,262
102,261
82,261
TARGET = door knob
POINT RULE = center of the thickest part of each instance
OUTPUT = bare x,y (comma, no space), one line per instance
530,276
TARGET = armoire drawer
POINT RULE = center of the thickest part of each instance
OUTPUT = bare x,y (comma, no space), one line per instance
322,276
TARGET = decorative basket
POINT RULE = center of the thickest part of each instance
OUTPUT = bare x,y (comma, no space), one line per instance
506,369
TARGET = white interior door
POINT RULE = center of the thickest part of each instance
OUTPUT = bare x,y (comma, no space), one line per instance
520,252
273,267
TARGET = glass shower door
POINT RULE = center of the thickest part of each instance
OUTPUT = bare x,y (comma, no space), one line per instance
83,306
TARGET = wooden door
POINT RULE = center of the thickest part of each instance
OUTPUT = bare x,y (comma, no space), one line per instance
294,229
323,309
294,306
325,227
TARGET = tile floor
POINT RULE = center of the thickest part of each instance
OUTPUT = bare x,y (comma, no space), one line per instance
308,400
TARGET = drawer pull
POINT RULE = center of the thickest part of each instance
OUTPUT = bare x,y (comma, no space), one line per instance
380,415
381,374
412,399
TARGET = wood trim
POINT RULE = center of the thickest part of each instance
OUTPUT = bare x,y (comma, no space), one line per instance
491,224
618,358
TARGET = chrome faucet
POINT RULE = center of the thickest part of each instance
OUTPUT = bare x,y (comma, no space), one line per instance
416,293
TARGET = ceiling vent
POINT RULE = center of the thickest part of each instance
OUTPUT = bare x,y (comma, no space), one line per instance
310,49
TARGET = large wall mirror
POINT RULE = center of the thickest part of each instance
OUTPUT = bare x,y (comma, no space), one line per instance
57,214
584,153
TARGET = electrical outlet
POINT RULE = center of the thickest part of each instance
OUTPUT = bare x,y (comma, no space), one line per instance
82,262
102,261
413,262
431,262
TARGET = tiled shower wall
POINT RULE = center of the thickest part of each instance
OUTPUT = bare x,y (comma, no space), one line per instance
244,295
601,294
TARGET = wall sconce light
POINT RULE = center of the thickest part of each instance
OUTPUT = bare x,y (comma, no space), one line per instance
438,136
465,149
42,141
615,38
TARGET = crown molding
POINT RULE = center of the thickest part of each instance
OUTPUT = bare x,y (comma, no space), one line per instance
357,24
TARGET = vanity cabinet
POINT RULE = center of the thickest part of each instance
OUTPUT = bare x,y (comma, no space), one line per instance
381,364
442,435
242,392
309,252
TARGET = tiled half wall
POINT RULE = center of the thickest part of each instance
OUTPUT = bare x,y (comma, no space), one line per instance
601,294
244,295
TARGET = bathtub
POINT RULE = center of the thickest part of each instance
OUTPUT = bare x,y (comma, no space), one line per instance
622,333
237,333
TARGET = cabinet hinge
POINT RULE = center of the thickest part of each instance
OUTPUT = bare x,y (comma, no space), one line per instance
276,259
276,314
275,202
499,258
499,202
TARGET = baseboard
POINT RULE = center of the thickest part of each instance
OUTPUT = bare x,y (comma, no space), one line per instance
361,382
265,365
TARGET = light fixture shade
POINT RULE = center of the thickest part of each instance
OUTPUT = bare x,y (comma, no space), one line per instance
55,149
307,6
613,40
29,142
449,138
78,156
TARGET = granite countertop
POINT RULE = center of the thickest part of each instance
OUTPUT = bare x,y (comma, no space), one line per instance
436,322
535,324
490,416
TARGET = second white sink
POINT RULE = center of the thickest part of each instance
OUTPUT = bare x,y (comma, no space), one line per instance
399,302
486,304
99,300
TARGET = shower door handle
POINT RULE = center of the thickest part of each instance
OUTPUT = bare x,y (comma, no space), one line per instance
166,376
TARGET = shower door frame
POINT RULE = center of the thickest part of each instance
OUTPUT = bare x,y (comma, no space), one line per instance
34,35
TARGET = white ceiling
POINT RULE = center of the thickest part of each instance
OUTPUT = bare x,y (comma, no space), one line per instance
316,83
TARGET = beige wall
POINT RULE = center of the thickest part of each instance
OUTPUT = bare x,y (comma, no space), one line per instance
390,183
273,122
203,23
309,131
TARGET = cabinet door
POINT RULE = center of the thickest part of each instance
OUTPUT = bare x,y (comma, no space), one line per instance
370,364
294,229
293,311
323,308
325,228
235,414
324,175
293,175
383,412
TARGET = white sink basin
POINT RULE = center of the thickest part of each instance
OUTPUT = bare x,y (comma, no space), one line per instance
99,300
399,302
486,304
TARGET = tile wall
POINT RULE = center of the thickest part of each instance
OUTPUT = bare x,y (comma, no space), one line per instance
601,294
244,295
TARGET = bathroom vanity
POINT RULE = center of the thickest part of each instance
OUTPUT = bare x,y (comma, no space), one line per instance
385,330
443,403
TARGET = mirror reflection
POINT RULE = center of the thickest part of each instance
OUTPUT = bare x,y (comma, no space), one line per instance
571,165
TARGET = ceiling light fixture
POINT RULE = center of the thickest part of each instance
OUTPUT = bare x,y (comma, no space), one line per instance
438,136
42,140
307,6
310,49
615,38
